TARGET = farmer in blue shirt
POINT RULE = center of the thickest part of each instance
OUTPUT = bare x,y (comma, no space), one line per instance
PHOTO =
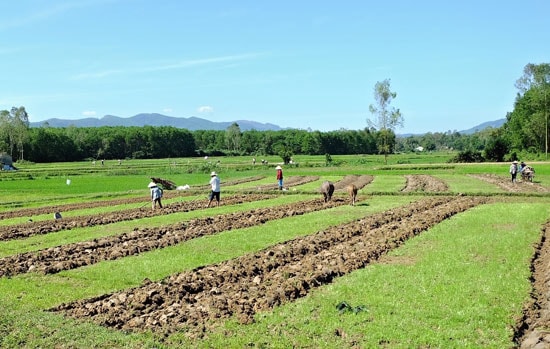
156,194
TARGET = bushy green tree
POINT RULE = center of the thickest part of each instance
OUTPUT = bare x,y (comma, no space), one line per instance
526,126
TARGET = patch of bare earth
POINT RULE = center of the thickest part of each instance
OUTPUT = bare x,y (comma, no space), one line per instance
24,230
360,182
291,181
424,183
506,184
533,330
168,194
71,256
198,300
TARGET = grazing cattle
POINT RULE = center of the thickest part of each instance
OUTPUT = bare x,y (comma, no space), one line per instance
352,191
327,189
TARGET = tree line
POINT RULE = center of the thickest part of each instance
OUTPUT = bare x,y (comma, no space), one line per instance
49,144
524,132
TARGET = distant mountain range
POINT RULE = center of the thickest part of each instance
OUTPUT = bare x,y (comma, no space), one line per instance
193,123
493,124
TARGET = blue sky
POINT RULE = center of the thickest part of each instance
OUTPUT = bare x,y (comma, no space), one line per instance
299,64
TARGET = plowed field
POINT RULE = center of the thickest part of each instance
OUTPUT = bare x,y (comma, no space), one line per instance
250,283
198,301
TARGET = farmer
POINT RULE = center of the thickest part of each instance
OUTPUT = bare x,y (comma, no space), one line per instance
156,195
514,170
279,177
215,192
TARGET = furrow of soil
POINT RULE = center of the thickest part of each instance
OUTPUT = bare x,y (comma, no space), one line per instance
506,184
424,183
29,212
198,300
360,181
532,329
44,227
289,182
71,256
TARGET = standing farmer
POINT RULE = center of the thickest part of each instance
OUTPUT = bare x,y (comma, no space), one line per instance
514,171
215,193
279,177
156,195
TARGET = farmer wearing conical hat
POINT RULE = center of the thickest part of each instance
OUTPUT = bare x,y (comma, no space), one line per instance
279,177
215,192
514,170
156,195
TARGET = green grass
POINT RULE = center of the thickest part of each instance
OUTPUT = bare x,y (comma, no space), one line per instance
461,284
38,242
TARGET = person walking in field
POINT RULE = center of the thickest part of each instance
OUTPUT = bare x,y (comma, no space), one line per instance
279,177
514,170
156,195
215,192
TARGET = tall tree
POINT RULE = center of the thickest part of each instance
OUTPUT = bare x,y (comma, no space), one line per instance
14,128
233,138
534,75
386,118
527,125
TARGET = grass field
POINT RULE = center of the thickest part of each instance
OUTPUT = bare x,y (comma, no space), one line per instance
462,283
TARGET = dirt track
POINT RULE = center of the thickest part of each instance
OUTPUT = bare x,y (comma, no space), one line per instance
30,212
44,227
56,259
199,299
424,183
360,182
506,184
532,329
243,286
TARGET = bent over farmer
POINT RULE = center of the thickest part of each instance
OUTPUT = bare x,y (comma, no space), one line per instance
156,195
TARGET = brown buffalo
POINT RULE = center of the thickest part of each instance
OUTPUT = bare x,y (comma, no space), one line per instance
327,189
352,191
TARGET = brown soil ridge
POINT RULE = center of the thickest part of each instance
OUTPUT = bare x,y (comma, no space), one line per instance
30,212
198,300
424,183
507,185
71,256
289,182
24,230
532,329
360,182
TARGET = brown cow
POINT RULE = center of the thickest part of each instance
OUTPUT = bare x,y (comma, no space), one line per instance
327,188
352,191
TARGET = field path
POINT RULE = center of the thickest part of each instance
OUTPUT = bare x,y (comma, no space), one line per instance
71,256
201,298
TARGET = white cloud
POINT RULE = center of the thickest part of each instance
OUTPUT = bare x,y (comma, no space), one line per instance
172,66
205,109
167,110
89,113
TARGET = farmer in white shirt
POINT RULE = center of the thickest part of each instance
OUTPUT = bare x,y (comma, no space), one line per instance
215,193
